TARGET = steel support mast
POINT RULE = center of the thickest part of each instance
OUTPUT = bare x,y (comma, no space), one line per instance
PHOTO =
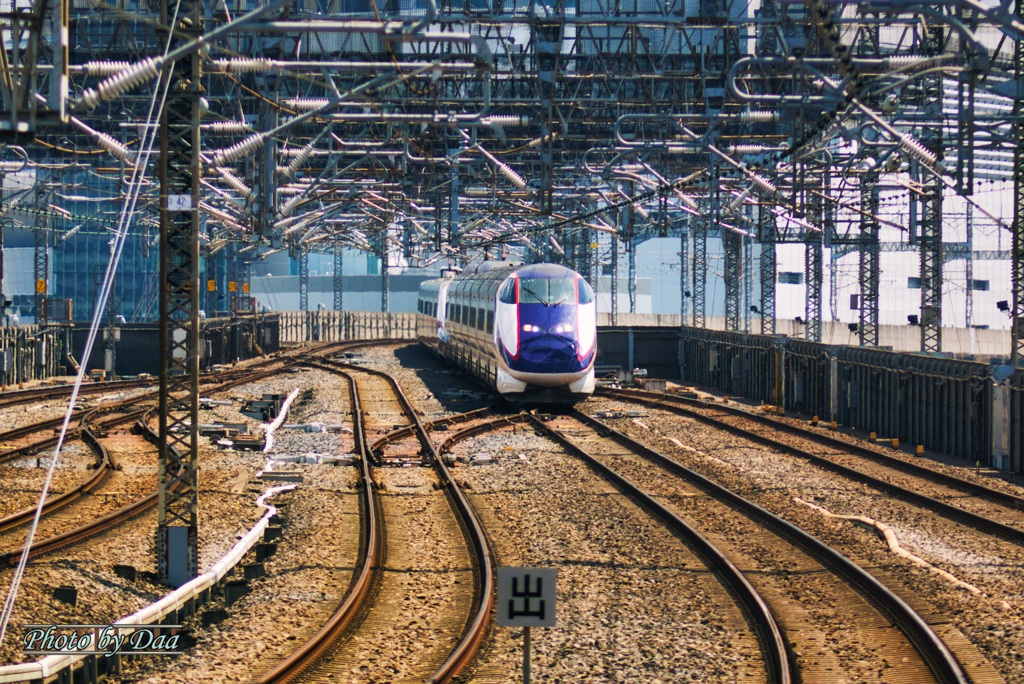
177,539
766,224
931,206
733,246
1017,263
302,256
339,269
869,263
813,257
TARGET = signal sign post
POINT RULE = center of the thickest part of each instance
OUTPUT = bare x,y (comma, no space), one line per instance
526,598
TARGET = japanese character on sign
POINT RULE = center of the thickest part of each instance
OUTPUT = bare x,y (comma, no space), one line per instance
526,597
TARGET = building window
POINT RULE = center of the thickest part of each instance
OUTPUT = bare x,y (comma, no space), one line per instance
913,283
854,302
791,278
980,285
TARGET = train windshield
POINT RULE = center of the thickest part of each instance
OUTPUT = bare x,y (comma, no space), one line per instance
547,291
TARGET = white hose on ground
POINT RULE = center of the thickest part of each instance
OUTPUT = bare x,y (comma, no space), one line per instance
894,545
269,432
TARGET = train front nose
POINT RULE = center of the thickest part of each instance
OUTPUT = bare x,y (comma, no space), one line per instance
549,354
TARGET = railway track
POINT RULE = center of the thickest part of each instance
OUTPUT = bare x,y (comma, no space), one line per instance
409,506
366,575
89,428
91,529
100,475
785,563
962,501
777,663
210,383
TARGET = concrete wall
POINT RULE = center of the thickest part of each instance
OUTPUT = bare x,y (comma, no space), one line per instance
983,344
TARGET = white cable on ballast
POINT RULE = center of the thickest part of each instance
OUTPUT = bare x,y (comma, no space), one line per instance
135,188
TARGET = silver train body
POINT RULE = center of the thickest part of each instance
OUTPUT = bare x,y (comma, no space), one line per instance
530,332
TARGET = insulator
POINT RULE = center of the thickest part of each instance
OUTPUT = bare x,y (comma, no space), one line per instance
242,66
917,150
11,166
123,81
537,142
512,176
687,200
299,160
554,245
223,216
763,185
288,207
749,149
305,104
759,116
226,127
735,205
115,148
507,120
232,180
105,68
908,60
239,150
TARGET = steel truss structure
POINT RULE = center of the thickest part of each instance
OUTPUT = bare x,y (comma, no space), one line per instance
444,131
177,540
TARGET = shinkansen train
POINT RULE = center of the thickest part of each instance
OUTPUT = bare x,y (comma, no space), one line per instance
528,331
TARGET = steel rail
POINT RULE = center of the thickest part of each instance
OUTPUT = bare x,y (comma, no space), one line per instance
923,472
958,515
238,378
481,429
97,526
932,649
778,668
26,396
477,626
104,466
369,567
409,430
124,513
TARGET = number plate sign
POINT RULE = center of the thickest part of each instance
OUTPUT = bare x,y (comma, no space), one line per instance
526,597
179,203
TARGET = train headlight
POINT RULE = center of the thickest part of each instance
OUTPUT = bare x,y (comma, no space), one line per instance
529,327
563,328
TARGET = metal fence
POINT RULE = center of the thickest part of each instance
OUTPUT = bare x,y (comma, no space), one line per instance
228,339
29,352
339,326
961,408
1013,407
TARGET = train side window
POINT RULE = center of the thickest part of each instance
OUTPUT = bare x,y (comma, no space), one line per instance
490,321
472,316
508,292
586,293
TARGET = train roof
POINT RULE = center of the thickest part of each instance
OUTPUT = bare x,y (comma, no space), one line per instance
545,271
